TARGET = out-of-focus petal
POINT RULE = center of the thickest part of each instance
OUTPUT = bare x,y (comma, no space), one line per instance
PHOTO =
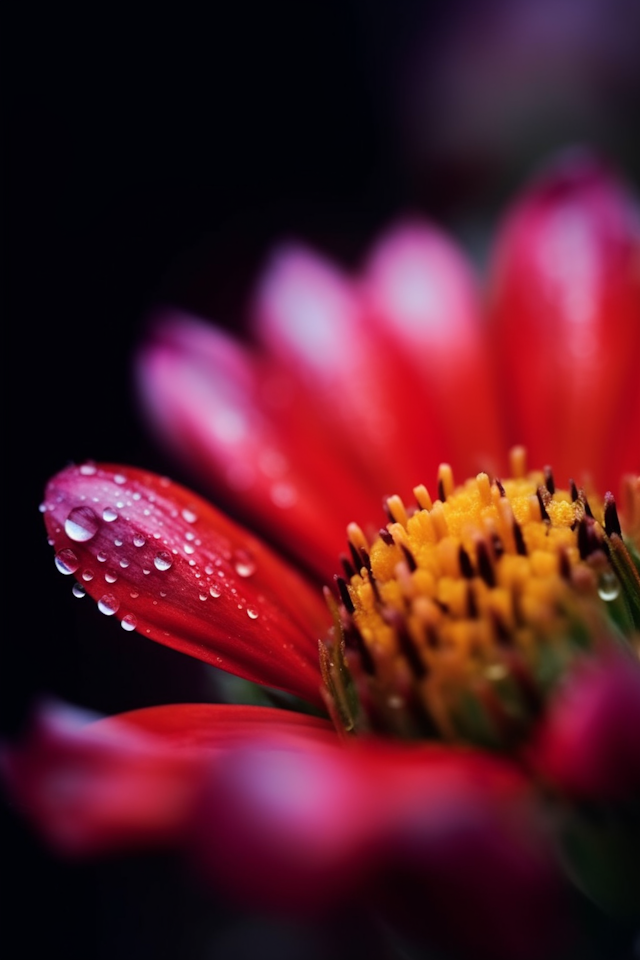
130,780
309,829
589,746
170,566
248,431
314,320
566,301
422,291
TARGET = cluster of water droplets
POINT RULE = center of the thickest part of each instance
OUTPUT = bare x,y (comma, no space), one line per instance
157,547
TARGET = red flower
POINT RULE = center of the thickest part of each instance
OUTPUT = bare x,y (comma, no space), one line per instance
351,389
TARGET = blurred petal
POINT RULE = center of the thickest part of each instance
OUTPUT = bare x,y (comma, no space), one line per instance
423,293
589,746
130,780
313,319
167,564
248,430
566,290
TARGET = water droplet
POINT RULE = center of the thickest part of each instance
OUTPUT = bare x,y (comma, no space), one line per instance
88,469
189,516
109,514
608,585
188,548
138,540
78,590
42,508
252,613
66,561
129,622
101,557
81,524
124,563
119,478
134,594
244,563
108,604
162,560
87,575
110,576
215,591
117,542
203,596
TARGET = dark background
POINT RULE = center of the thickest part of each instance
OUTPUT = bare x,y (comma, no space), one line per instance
156,157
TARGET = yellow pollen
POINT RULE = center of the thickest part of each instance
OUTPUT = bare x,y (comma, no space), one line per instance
466,610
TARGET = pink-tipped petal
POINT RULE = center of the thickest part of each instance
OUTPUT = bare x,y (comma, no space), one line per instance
170,566
129,781
314,320
566,292
589,746
307,828
247,429
422,291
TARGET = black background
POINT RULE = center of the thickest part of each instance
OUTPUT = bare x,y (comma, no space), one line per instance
156,157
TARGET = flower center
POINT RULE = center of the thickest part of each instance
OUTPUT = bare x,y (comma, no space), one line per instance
460,617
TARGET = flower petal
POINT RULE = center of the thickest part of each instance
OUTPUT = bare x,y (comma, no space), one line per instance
248,430
167,564
567,321
313,319
311,827
589,746
131,780
422,291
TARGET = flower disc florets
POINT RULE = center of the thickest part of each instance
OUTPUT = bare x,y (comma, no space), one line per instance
462,615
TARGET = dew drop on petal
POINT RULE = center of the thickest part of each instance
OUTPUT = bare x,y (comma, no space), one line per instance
162,560
110,576
138,540
81,524
189,516
129,622
202,596
252,613
244,563
66,561
87,575
124,563
109,515
108,604
119,478
88,469
101,557
215,591
608,586
78,590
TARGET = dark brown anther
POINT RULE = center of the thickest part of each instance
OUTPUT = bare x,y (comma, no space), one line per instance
497,546
573,490
549,482
354,641
498,484
521,547
407,644
409,557
472,606
588,539
466,567
347,566
503,636
345,596
543,495
585,503
355,557
485,567
564,564
611,521
386,537
441,494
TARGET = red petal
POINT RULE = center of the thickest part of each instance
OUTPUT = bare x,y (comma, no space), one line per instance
168,564
307,828
131,780
567,322
423,292
315,321
589,747
248,429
